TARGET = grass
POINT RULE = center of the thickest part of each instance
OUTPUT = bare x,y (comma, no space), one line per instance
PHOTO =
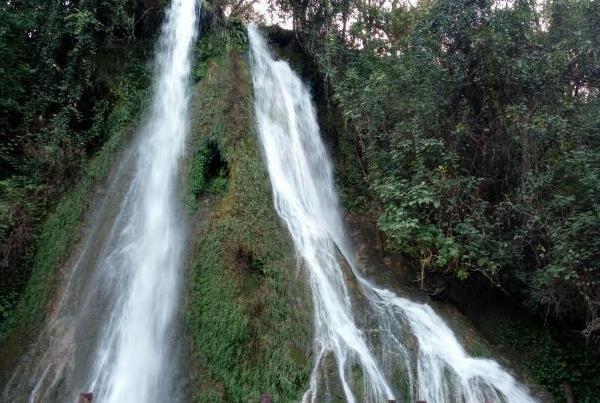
248,318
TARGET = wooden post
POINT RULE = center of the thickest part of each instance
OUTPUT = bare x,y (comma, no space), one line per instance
569,394
266,399
85,398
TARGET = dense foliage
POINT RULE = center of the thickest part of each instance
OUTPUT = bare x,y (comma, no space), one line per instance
477,130
477,124
70,73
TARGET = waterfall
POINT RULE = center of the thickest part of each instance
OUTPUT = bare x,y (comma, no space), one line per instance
408,352
133,361
114,332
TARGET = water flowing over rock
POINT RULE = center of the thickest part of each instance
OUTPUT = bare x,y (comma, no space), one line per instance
112,332
407,351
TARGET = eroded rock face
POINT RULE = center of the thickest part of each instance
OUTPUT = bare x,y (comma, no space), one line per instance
371,253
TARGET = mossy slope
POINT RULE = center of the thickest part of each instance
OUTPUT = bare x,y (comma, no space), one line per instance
248,312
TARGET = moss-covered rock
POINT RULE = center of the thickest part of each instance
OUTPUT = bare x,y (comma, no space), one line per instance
248,311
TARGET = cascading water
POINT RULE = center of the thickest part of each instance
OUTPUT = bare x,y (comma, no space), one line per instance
114,329
408,352
133,359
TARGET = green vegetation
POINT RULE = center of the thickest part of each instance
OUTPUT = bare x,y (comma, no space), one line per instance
469,130
58,234
215,42
73,79
247,313
207,173
551,363
475,131
548,355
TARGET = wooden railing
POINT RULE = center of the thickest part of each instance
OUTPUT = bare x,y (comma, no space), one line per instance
85,398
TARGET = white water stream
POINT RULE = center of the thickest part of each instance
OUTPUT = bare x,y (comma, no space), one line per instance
114,331
408,352
133,361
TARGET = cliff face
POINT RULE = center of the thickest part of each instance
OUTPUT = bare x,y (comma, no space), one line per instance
248,312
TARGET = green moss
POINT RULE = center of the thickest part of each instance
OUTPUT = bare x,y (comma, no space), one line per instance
247,315
216,43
